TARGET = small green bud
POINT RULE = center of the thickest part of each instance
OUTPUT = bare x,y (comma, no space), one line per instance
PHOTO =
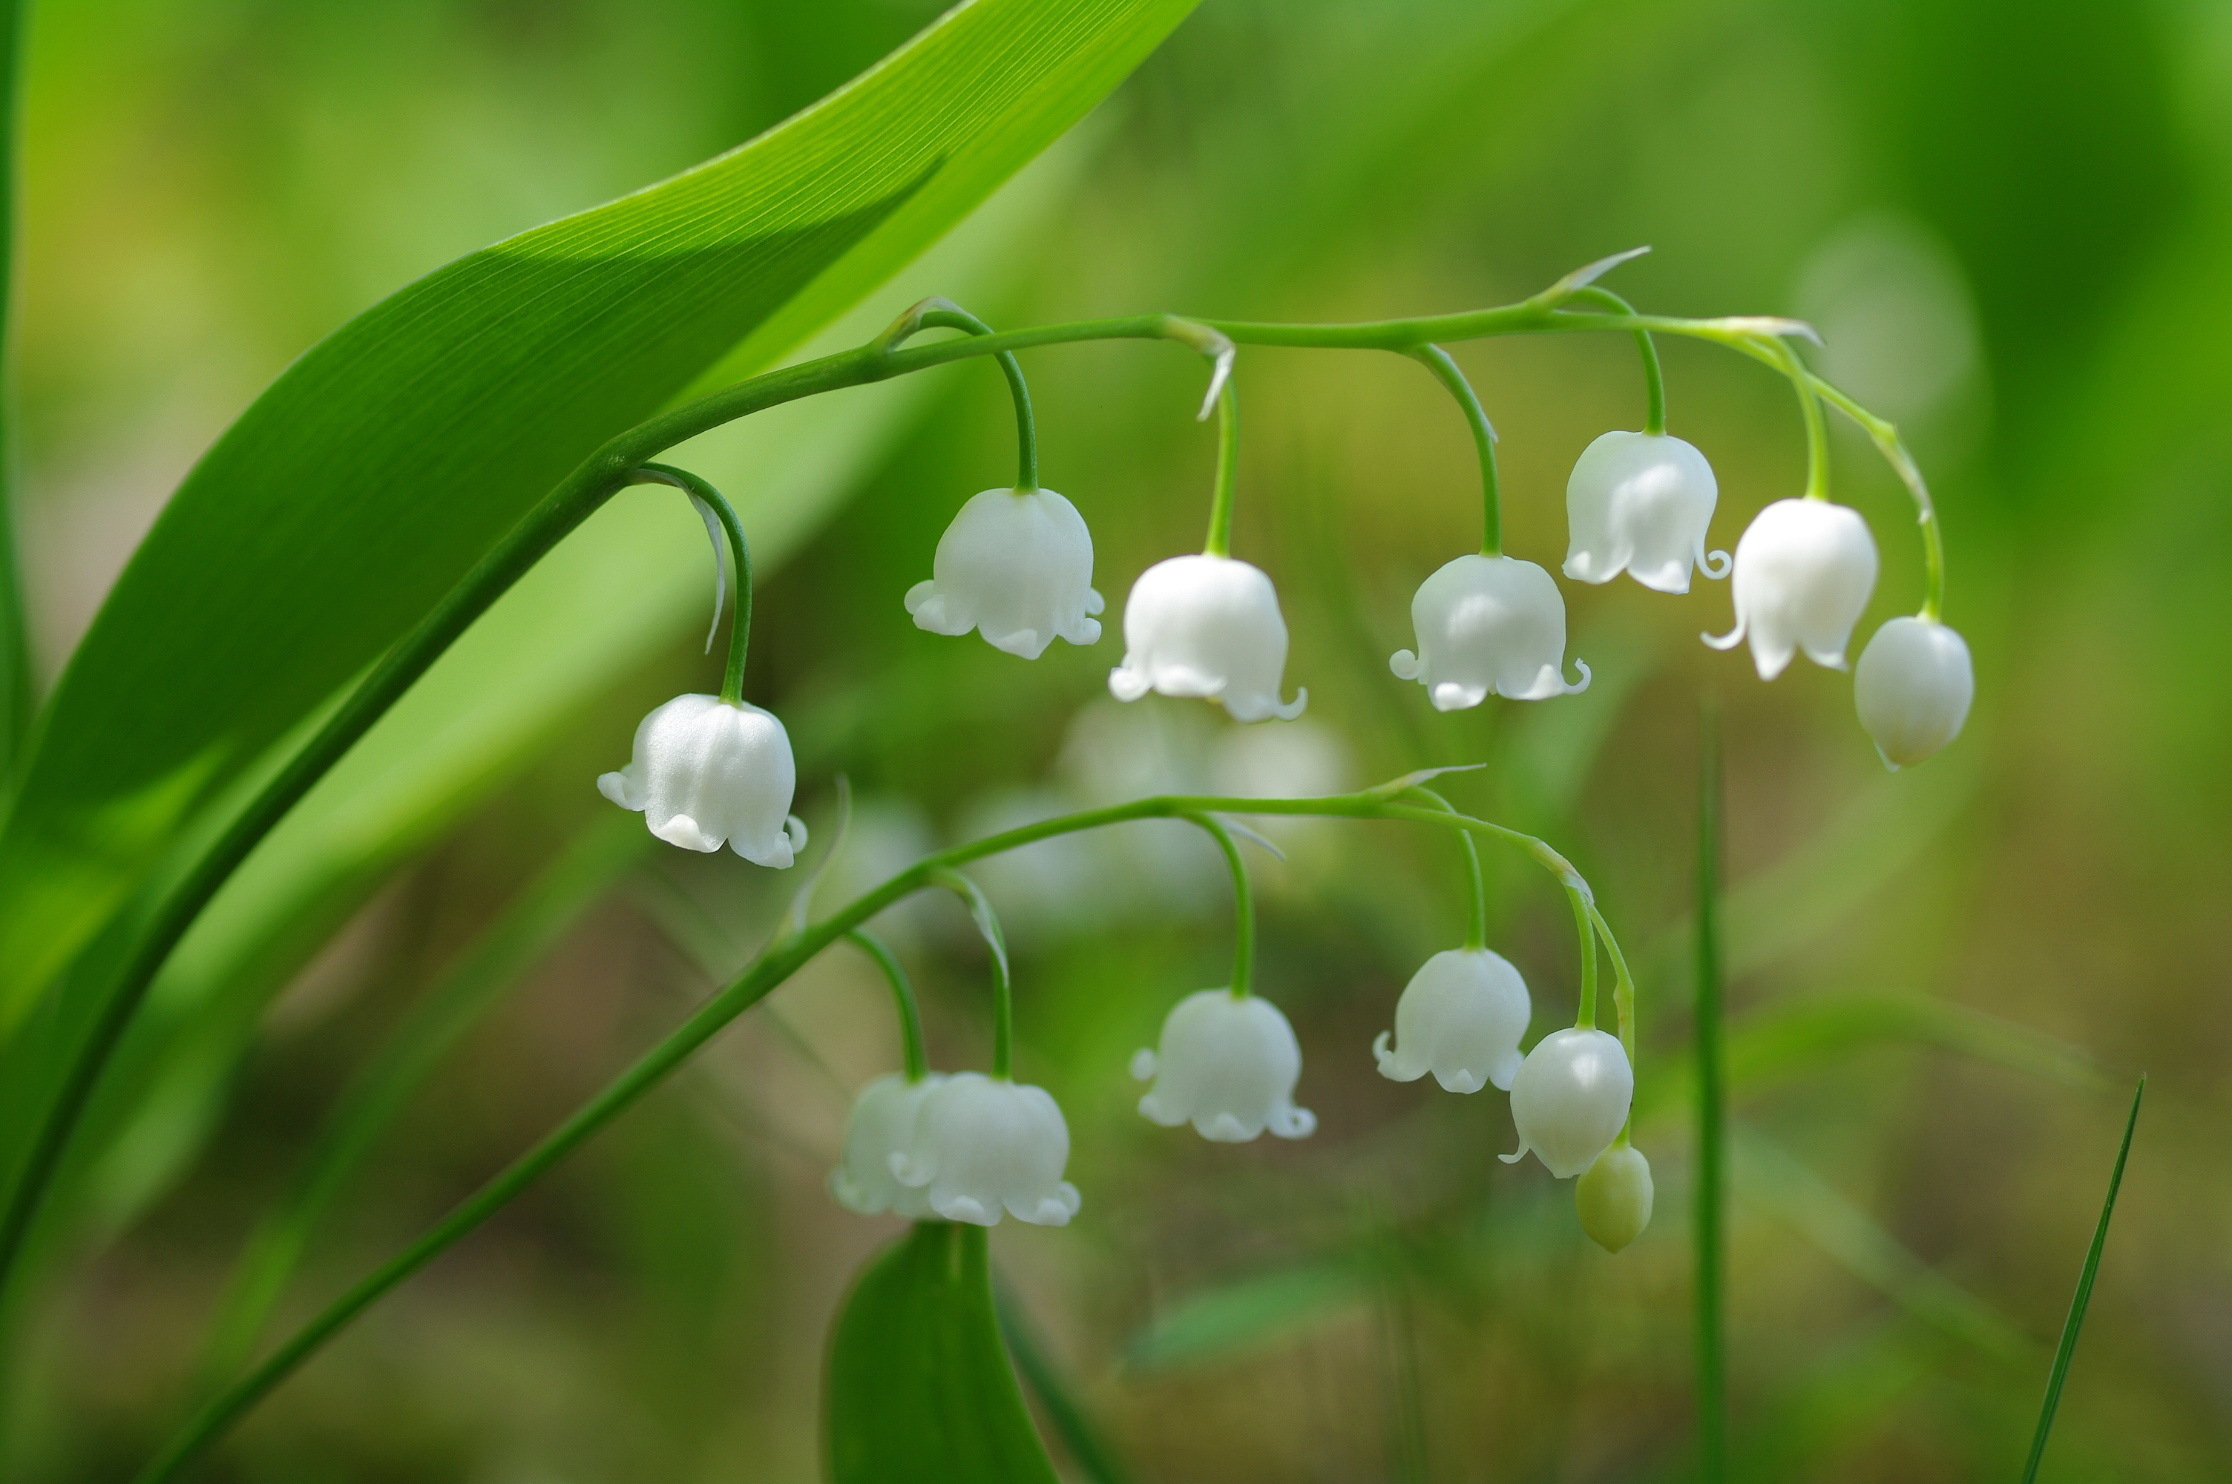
1614,1197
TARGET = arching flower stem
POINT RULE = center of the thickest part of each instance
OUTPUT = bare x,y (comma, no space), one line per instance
917,1059
944,314
1243,904
1809,409
1654,377
1449,374
716,508
1585,1018
1228,471
1476,929
995,942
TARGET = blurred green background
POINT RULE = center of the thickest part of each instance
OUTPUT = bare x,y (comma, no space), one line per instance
2010,222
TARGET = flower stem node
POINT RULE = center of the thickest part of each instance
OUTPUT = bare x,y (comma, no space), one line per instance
881,1129
1570,1099
983,1145
1640,503
1614,1197
1207,626
1804,571
1488,625
1227,1065
1460,1017
707,772
1913,687
1017,566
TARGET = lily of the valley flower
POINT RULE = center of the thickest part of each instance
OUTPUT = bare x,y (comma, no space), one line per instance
1017,566
1804,570
1206,626
1488,625
1614,1197
1228,1065
1640,503
707,772
1913,687
1570,1098
984,1145
881,1129
1460,1017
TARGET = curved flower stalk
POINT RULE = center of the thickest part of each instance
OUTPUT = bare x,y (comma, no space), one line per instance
1641,503
1913,687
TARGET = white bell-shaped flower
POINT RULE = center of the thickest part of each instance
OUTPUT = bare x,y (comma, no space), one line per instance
1640,503
881,1127
1460,1017
983,1145
1804,570
1017,566
1206,626
1488,625
1614,1197
1913,687
1227,1064
707,772
1570,1099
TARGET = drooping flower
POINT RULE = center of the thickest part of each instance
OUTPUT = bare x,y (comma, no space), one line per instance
707,772
1206,626
1570,1099
1614,1197
983,1145
1460,1017
1488,625
1804,570
1640,503
881,1128
1913,687
1227,1065
1017,566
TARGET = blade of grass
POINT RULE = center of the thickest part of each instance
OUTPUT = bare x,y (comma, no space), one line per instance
1712,1381
2082,1299
15,644
1080,1435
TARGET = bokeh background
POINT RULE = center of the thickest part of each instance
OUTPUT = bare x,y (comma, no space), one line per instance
2011,222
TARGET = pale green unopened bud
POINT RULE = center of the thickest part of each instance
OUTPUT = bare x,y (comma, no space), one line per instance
1614,1197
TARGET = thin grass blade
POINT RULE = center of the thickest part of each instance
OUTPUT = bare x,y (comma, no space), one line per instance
1711,1171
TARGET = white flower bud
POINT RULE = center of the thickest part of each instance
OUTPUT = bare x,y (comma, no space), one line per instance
1804,570
1570,1099
1614,1197
1488,625
1460,1017
982,1145
882,1126
1913,688
1228,1066
1017,566
1640,503
1206,626
707,772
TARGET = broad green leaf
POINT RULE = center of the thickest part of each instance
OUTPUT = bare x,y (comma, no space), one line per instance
367,480
920,1387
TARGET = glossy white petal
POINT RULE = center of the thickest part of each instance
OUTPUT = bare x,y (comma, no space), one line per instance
882,1125
707,772
1570,1098
1017,566
1488,626
1614,1197
984,1145
1460,1017
1227,1066
1640,503
1210,627
1913,688
1804,570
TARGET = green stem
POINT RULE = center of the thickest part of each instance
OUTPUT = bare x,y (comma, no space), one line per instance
945,314
1708,1199
1809,410
1476,929
1228,472
1654,377
1585,1018
1243,905
916,1058
707,498
995,942
1447,372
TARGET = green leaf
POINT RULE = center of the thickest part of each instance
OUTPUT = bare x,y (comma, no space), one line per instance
920,1387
